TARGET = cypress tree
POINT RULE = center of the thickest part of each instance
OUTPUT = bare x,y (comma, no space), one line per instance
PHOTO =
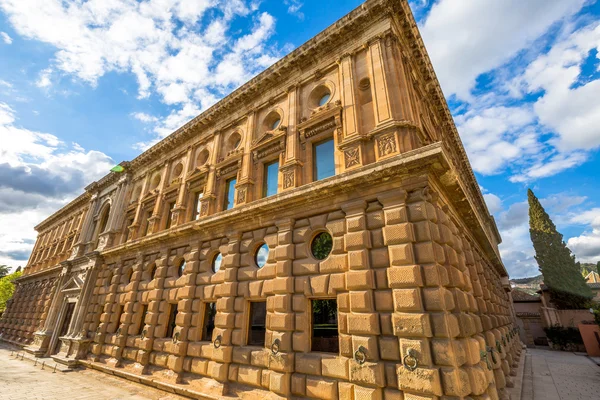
562,275
598,267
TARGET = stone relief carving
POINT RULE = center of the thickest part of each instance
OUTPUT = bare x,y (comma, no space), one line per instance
352,157
386,145
288,179
241,197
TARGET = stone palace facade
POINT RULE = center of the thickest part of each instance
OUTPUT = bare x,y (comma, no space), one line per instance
318,233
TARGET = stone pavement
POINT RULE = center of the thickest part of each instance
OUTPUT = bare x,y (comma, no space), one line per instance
560,375
21,380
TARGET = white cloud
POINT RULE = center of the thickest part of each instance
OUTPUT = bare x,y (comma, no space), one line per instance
140,116
294,7
164,43
572,111
516,248
587,245
44,79
5,38
38,175
466,38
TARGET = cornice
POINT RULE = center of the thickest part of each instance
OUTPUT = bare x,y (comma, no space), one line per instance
74,204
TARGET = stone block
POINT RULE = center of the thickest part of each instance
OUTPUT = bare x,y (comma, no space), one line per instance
367,393
334,263
363,324
384,300
421,380
361,301
359,280
280,383
379,258
334,367
309,364
455,382
392,394
425,253
369,373
321,388
345,391
444,325
389,348
281,322
407,300
407,276
398,233
411,324
421,348
401,254
438,299
249,375
358,259
299,384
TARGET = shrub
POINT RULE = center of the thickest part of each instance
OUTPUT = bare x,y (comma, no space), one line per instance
564,338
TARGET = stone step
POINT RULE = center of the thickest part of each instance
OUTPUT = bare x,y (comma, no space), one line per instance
48,363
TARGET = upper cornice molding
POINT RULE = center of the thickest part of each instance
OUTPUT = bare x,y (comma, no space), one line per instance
74,205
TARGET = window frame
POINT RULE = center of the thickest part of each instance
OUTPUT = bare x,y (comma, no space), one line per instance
204,331
312,325
249,324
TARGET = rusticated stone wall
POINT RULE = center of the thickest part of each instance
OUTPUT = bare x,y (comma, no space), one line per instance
410,283
27,310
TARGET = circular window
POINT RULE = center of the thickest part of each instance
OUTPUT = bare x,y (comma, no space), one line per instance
155,182
202,158
364,84
272,121
234,141
181,268
216,264
262,253
321,245
324,99
177,170
276,124
319,96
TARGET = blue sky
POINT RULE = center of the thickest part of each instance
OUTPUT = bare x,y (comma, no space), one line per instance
87,84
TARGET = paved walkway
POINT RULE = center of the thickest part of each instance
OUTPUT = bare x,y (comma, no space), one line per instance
560,375
21,380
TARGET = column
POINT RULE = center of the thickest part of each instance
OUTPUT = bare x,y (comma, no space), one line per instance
154,220
379,81
291,170
179,213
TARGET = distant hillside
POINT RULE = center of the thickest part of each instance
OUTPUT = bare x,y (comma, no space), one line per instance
528,285
534,280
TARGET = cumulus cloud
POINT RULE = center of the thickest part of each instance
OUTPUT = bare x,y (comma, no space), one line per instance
44,79
587,245
294,7
5,38
516,248
466,38
165,43
38,175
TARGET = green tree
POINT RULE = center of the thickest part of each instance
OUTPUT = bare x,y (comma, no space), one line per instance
562,275
7,288
598,267
4,270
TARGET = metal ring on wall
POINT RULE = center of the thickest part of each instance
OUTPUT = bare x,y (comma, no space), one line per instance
491,350
485,358
144,333
360,355
176,337
119,331
410,360
275,346
498,346
217,342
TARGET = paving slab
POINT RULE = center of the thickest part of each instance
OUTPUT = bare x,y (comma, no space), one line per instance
22,379
559,375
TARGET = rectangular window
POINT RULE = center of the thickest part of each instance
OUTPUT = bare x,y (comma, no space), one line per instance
257,328
147,223
325,326
210,311
323,160
270,179
229,193
143,319
171,324
197,204
170,215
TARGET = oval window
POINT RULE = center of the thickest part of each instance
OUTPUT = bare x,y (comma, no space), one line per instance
276,124
324,99
262,253
181,268
216,264
321,245
202,157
